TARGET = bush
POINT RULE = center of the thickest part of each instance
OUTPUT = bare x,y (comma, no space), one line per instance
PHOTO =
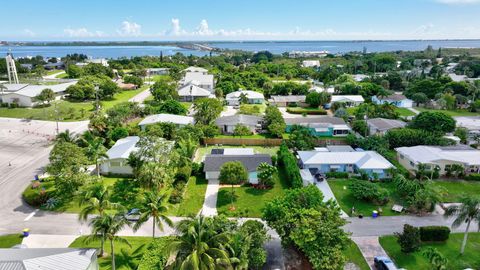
183,174
287,162
307,111
197,169
473,177
38,193
156,256
337,175
434,233
409,239
368,191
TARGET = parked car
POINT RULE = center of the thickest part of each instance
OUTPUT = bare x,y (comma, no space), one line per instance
384,263
320,177
133,215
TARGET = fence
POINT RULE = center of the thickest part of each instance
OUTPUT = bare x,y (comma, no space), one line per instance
266,142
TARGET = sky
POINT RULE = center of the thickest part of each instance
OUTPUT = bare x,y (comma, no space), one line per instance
168,20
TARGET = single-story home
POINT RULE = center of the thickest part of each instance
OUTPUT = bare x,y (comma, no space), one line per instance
321,126
52,66
471,123
117,156
157,71
398,100
227,123
253,97
48,258
196,69
24,94
101,61
360,77
348,100
203,80
324,161
380,126
285,101
310,63
213,162
178,120
191,92
442,156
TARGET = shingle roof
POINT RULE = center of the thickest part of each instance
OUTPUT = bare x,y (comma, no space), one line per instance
198,78
249,93
167,118
251,162
193,90
291,98
314,120
393,97
46,259
35,90
248,120
428,154
347,98
385,124
363,160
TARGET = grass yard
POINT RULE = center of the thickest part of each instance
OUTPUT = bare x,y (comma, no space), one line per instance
404,112
450,249
353,255
249,202
53,71
10,240
455,189
202,151
452,113
347,201
306,110
192,199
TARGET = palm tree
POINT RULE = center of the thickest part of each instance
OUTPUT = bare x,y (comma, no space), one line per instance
199,246
108,225
467,211
186,149
67,136
238,249
153,206
152,175
95,149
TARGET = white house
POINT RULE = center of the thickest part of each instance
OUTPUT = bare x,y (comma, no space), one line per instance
360,77
178,120
202,80
101,61
24,94
348,100
398,100
310,63
443,157
191,92
116,163
471,123
196,70
157,71
228,123
253,97
380,126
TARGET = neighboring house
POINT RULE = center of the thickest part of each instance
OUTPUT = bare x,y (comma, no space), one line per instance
360,77
443,157
191,92
253,97
27,66
285,101
24,94
471,123
52,66
213,162
157,71
324,161
321,126
348,100
310,63
202,80
116,163
379,126
178,120
196,70
101,61
48,258
398,100
227,123
125,86
321,89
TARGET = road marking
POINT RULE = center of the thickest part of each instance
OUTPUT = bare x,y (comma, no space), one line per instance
31,215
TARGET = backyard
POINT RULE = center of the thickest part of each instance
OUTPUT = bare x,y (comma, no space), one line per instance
346,200
456,188
452,113
450,249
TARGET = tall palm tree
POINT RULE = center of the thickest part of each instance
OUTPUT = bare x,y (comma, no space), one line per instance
152,175
96,199
95,150
67,136
153,206
199,246
108,225
186,149
467,211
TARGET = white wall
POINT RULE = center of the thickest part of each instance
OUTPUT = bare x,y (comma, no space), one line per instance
106,167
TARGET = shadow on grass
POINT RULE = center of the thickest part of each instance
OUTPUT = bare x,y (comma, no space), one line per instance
225,197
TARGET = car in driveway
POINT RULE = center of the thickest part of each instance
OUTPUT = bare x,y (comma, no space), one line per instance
384,263
133,215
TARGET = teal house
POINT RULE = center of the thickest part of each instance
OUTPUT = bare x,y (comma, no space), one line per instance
320,126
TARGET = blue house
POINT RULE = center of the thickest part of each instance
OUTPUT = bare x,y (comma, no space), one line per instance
398,100
320,126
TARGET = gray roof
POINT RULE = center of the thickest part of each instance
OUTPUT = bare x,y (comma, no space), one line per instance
394,97
34,90
291,98
340,148
315,120
248,120
46,258
385,124
251,162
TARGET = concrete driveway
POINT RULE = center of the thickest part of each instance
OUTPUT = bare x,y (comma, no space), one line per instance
140,97
209,208
229,111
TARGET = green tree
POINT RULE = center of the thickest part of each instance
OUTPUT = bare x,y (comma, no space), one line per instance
466,212
95,150
46,96
241,130
266,172
233,173
153,205
66,158
434,122
301,138
436,259
274,121
207,110
153,176
313,99
66,136
409,239
164,90
420,98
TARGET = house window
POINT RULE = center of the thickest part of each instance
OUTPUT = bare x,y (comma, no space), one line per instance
402,156
115,163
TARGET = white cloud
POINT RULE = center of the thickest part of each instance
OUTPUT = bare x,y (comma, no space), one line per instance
130,29
424,30
82,33
29,33
458,2
176,29
203,29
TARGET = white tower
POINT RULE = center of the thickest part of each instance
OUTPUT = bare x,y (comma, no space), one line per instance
11,69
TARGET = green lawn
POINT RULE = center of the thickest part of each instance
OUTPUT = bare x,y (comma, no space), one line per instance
404,112
202,151
450,249
10,240
455,189
62,76
353,255
449,112
307,110
347,201
122,261
192,199
249,202
53,71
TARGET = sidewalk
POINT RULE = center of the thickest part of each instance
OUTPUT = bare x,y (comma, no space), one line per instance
140,97
370,248
48,241
209,208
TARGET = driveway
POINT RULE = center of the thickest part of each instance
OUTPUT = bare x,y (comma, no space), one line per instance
209,208
229,111
140,97
370,248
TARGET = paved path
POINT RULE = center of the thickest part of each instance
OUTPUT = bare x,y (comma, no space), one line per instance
140,97
414,110
228,111
53,76
209,208
370,248
48,241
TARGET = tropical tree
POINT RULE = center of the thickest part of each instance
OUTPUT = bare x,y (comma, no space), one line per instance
95,150
436,259
186,148
233,173
466,212
152,175
66,136
199,246
266,173
153,205
46,96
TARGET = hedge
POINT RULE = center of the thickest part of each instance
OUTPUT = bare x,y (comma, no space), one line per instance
473,177
337,175
434,233
307,111
288,162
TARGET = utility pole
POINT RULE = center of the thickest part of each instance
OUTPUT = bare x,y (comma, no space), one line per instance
56,117
97,102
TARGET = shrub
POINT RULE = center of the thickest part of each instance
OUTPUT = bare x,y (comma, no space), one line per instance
38,194
156,256
183,174
307,111
409,239
434,233
337,175
473,177
287,162
197,169
368,191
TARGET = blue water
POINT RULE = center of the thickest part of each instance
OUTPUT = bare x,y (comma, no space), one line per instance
276,47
